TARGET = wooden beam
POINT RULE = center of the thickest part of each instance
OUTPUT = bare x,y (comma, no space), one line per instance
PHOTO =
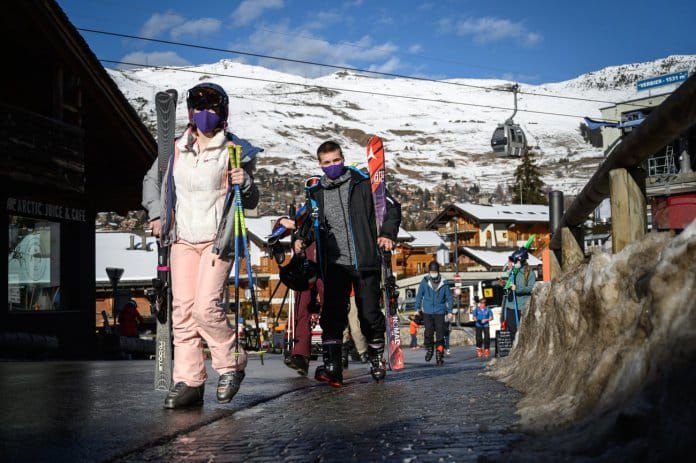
628,209
571,251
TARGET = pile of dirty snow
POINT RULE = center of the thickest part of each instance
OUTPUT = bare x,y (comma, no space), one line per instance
614,335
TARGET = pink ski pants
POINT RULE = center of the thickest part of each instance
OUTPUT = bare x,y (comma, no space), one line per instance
198,278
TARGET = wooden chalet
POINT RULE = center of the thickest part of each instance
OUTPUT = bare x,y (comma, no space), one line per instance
70,145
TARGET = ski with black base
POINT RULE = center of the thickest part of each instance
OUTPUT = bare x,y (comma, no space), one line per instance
165,107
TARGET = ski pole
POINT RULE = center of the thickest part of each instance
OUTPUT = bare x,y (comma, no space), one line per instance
239,215
236,269
517,317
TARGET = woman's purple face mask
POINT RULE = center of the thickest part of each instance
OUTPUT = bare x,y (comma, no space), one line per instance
206,121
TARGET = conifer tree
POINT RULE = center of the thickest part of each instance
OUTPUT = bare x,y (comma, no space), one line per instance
528,186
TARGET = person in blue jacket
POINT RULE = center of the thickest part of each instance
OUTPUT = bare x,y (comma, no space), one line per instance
483,316
434,299
521,289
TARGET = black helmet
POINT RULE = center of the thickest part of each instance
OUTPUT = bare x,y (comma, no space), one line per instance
299,273
206,96
521,255
434,267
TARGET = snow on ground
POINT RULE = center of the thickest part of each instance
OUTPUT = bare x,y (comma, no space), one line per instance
425,138
594,339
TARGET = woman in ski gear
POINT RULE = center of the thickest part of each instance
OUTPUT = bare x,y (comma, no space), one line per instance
347,245
483,316
523,279
434,299
190,212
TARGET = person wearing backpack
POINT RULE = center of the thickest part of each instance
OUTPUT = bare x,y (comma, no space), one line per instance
434,299
189,211
348,246
523,279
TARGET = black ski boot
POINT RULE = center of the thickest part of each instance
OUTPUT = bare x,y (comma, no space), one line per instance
331,371
440,356
182,396
228,386
345,354
429,353
378,368
300,363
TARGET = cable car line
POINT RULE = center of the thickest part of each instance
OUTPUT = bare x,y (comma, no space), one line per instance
334,66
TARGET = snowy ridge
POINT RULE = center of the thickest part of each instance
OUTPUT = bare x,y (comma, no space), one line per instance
426,142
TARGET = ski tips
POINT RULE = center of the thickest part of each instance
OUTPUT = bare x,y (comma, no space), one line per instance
529,241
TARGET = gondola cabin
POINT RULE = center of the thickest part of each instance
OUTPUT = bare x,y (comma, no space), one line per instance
509,140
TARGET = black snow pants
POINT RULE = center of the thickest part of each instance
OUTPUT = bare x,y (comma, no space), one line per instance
510,318
434,324
339,281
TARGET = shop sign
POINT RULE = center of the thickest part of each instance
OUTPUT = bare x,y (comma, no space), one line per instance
17,206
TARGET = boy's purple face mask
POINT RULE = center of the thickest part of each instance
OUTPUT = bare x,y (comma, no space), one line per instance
334,171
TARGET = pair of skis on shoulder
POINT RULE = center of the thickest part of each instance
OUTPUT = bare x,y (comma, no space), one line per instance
165,107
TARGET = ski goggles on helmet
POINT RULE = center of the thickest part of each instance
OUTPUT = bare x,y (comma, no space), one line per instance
201,98
312,182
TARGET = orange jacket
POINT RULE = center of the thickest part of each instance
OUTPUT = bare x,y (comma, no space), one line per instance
413,327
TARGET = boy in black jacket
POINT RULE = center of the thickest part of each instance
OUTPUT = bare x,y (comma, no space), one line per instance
348,244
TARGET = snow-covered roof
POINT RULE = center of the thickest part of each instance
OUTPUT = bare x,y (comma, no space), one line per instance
495,258
425,239
404,235
112,251
262,227
506,213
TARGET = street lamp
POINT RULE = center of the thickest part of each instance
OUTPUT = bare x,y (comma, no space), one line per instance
114,275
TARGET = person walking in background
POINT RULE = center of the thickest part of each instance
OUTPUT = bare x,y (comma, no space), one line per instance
413,331
434,298
128,320
523,279
483,316
446,339
307,302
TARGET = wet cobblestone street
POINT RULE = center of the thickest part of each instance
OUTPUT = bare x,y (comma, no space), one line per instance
422,413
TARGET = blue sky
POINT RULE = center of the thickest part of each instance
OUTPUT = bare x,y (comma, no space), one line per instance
529,41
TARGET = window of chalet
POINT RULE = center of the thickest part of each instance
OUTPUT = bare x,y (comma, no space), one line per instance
33,265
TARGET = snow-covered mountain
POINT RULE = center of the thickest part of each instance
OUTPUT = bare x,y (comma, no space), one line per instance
426,141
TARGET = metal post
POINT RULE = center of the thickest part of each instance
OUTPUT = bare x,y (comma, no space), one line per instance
555,216
456,245
456,256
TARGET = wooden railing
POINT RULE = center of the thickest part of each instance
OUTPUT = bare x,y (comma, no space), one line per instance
620,178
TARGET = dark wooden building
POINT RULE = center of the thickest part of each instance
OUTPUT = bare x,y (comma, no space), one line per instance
70,145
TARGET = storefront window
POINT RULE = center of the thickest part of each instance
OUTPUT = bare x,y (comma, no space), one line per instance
33,264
